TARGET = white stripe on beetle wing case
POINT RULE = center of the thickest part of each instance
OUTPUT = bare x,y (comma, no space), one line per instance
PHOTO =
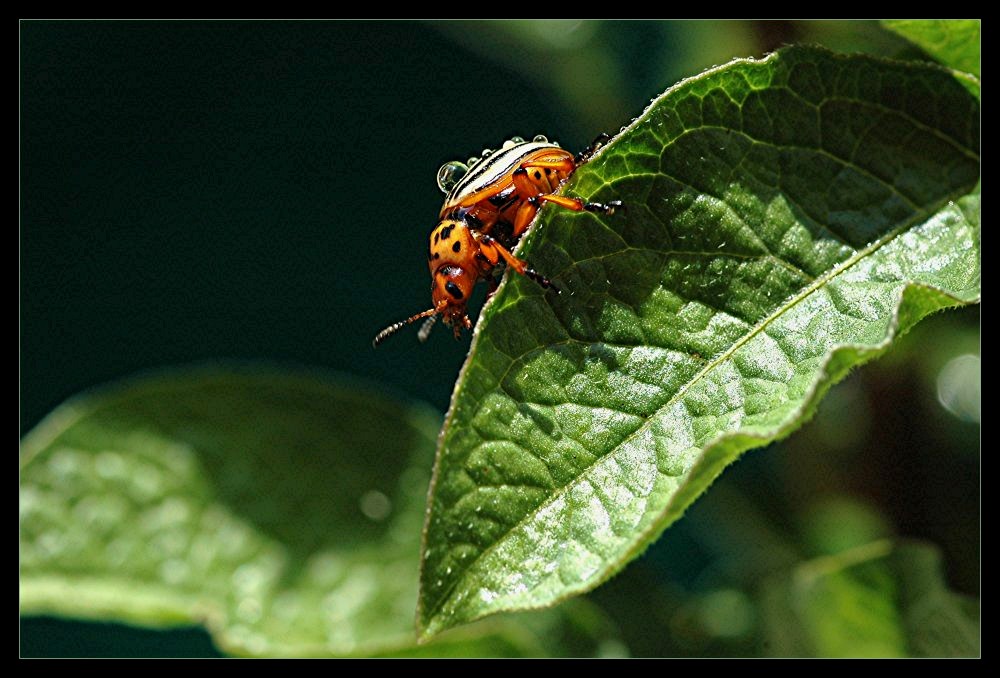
493,168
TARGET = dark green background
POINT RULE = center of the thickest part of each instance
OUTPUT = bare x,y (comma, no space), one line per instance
263,191
197,191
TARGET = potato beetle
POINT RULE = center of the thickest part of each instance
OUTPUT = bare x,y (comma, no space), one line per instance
489,204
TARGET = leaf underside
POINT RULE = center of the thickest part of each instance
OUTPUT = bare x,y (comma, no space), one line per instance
786,218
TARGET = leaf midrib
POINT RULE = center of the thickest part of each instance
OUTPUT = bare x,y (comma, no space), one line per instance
815,285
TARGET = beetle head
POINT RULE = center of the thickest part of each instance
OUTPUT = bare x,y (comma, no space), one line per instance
450,292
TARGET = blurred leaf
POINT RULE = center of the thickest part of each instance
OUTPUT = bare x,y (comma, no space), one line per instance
601,70
953,42
279,510
787,218
877,600
838,523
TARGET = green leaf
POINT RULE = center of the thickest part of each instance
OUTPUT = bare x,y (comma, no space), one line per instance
279,510
953,42
786,219
877,600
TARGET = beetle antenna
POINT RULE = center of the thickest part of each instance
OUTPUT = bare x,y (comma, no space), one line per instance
395,327
425,329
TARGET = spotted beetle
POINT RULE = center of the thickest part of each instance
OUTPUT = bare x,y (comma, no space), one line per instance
489,204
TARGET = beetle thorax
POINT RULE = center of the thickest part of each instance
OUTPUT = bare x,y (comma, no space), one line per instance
451,244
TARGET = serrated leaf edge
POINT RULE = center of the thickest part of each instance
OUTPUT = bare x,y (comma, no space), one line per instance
425,626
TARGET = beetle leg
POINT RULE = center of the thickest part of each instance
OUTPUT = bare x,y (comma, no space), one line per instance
494,251
532,197
555,170
564,165
459,324
528,192
578,205
525,213
522,182
604,208
595,145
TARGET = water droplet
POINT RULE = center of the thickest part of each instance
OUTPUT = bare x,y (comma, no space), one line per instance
541,138
375,505
517,140
450,174
487,152
472,161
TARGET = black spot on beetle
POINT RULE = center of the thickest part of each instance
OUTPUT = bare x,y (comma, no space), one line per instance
538,175
436,236
548,171
437,255
457,247
446,232
453,290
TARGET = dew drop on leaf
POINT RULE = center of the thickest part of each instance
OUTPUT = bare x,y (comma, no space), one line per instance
375,505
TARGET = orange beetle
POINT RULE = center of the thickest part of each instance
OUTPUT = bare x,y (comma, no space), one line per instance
489,205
